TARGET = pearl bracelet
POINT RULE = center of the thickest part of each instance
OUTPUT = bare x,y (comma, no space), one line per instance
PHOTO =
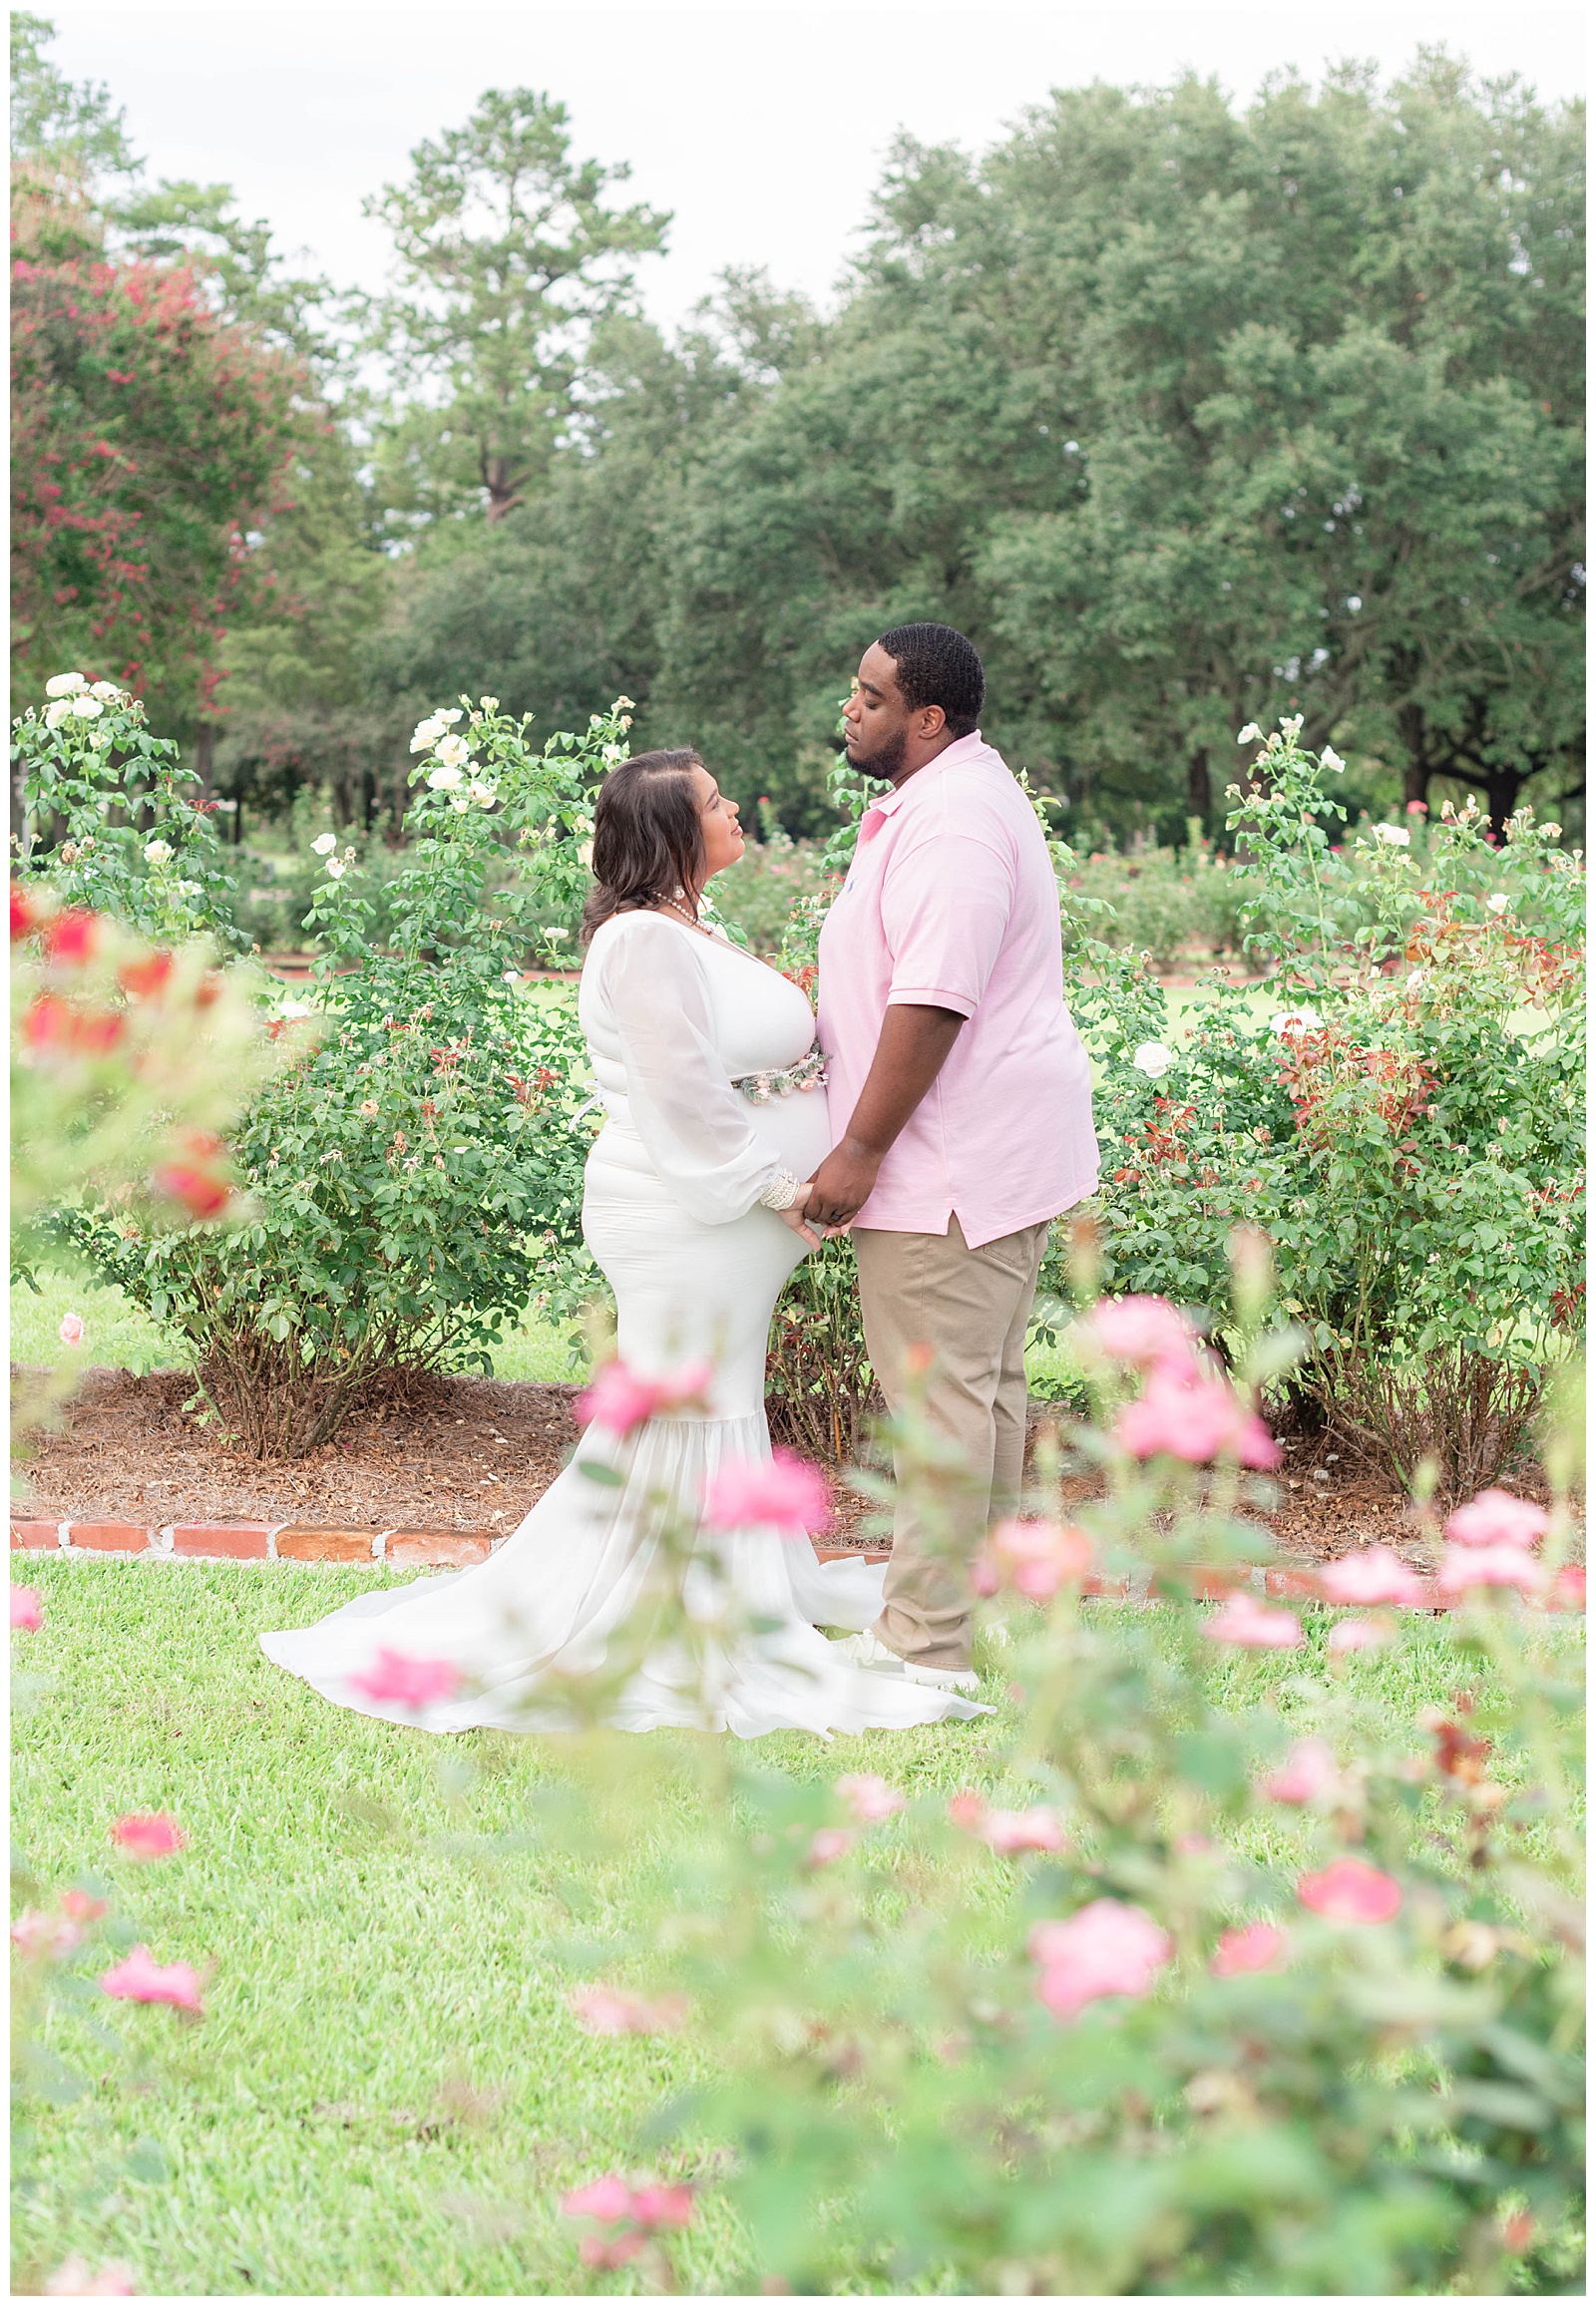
782,1191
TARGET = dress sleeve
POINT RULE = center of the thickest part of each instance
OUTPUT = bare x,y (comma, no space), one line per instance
694,1126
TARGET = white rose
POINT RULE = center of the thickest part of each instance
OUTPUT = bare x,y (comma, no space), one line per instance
1393,836
1415,978
554,935
585,854
336,868
293,1008
187,887
55,714
65,684
444,780
1498,903
1153,1059
460,801
1332,760
1290,724
1252,734
1296,1021
490,704
87,707
454,752
484,794
106,688
158,852
427,733
324,843
612,754
450,716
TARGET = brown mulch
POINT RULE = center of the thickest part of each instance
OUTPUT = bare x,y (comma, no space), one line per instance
476,1452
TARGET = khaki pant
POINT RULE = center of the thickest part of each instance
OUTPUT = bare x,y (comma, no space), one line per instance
970,1307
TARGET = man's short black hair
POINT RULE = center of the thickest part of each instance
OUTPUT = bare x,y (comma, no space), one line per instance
937,665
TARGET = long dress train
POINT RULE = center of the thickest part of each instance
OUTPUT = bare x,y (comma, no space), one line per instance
672,1215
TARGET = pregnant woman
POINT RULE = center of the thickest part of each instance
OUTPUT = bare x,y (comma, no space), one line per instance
694,1210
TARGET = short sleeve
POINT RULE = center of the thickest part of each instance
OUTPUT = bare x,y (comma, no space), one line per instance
945,904
694,1126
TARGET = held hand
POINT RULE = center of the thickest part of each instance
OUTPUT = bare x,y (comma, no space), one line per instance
797,1218
842,1184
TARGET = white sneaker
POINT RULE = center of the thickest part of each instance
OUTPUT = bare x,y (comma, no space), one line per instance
867,1650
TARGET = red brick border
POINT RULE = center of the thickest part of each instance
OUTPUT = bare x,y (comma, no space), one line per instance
414,1548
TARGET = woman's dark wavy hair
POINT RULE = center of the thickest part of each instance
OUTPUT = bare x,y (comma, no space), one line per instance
647,841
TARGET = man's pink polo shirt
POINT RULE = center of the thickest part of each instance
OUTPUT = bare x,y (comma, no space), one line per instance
951,902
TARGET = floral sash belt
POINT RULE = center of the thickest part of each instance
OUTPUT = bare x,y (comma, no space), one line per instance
809,1073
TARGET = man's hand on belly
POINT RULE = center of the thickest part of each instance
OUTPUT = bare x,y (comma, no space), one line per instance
911,1052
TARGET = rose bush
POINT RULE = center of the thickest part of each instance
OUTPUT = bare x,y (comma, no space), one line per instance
1403,1122
414,1174
1230,1980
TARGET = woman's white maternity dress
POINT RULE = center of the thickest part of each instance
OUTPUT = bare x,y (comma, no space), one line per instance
671,1213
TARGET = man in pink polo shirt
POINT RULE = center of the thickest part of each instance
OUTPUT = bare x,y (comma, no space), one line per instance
959,1097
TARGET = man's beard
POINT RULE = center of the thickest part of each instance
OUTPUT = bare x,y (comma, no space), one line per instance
886,760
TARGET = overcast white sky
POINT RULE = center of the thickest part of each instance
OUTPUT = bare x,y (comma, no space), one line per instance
761,125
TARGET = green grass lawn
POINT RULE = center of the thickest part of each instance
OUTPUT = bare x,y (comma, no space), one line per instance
388,2092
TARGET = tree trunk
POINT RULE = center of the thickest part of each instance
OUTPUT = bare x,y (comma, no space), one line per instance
204,748
1199,787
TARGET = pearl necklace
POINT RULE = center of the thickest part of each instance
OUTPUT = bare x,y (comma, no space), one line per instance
683,914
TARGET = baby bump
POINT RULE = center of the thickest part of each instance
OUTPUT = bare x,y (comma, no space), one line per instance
798,1128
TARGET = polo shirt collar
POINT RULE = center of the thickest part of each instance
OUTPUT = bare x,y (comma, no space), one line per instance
959,754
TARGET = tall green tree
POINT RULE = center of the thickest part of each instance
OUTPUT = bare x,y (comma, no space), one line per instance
506,255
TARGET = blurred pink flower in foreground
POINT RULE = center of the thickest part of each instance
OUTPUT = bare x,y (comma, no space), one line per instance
82,1906
612,2010
1496,1517
830,1843
140,1979
1107,1948
1008,1831
869,1798
149,1833
783,1489
1462,1567
27,1609
1357,1634
1144,1331
70,1331
45,1937
1035,1558
1253,1946
639,2211
1373,1574
1310,1773
393,1679
1568,1587
1198,1420
621,1400
1351,1890
1247,1625
72,2279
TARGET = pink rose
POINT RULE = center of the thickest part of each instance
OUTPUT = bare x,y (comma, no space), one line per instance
1008,1831
869,1798
70,1331
607,2200
1375,1574
783,1490
1197,1420
1147,1332
1495,1517
1106,1947
830,1843
621,1400
1356,1634
1246,1625
413,1683
72,2279
82,1907
45,1937
140,1979
640,2211
655,2207
1568,1587
1035,1558
610,2010
27,1609
1462,1567
1310,1773
1351,1890
149,1835
1254,1946
967,1812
